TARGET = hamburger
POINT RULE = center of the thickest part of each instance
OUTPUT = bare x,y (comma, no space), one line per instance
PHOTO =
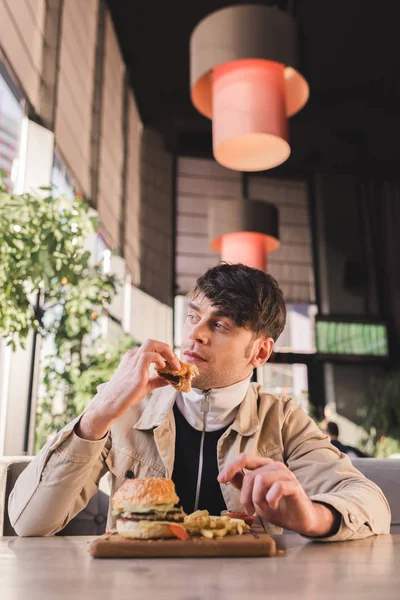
146,509
181,380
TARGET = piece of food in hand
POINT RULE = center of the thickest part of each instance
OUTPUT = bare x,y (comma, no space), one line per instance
181,380
202,523
146,509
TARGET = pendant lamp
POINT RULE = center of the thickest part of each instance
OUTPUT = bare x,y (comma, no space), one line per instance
243,62
243,231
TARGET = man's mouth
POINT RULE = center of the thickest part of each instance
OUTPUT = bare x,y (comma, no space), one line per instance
193,357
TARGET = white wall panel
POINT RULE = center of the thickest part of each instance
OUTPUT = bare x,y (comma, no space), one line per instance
150,318
35,157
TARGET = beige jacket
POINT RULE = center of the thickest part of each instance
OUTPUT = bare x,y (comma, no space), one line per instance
61,479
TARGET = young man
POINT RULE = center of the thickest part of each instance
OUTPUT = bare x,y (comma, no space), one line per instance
269,457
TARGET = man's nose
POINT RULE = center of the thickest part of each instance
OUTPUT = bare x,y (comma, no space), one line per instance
199,333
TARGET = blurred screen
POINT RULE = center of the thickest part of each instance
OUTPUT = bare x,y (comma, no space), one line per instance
358,339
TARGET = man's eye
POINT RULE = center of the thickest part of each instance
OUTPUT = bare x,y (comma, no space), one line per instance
219,326
191,317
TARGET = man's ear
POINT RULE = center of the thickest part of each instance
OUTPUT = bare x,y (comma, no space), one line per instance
263,351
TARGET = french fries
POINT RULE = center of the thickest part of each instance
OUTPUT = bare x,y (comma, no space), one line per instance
202,523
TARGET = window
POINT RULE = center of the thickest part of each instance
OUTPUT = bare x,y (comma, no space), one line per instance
61,182
351,337
299,332
286,380
180,312
11,115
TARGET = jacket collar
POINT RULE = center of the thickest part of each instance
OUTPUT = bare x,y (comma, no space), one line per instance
247,421
161,401
157,409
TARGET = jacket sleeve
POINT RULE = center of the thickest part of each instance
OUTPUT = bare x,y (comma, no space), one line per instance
58,483
328,476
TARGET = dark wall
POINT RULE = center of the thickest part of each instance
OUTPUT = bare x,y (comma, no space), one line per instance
357,235
156,218
344,273
357,246
352,385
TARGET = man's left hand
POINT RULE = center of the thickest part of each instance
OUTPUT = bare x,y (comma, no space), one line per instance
270,489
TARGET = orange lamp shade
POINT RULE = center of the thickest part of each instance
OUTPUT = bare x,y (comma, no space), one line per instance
245,247
244,76
243,230
250,129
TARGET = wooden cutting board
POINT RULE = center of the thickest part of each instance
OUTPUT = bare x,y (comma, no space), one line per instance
115,546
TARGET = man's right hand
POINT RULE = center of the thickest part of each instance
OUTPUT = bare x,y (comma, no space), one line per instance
130,383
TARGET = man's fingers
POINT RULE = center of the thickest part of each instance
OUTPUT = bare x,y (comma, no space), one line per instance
131,355
257,483
149,358
259,495
237,481
243,461
279,490
157,382
246,496
164,350
264,481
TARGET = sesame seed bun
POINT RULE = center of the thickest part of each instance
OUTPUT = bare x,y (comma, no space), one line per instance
145,492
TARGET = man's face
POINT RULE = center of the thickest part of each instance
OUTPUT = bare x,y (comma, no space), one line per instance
223,352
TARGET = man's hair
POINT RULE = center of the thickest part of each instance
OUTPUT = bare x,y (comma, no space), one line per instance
332,429
250,297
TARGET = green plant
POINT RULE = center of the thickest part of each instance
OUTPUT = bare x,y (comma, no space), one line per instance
42,253
41,248
71,314
381,418
76,383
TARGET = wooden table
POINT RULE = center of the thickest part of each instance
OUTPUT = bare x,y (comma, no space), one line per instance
61,567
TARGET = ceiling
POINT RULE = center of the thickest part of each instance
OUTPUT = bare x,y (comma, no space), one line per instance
349,54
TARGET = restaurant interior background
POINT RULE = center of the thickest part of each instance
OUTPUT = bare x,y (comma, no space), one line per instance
95,102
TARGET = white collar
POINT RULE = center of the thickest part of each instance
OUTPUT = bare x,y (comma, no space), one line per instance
223,409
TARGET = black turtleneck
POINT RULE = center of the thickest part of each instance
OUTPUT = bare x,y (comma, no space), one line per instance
187,454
